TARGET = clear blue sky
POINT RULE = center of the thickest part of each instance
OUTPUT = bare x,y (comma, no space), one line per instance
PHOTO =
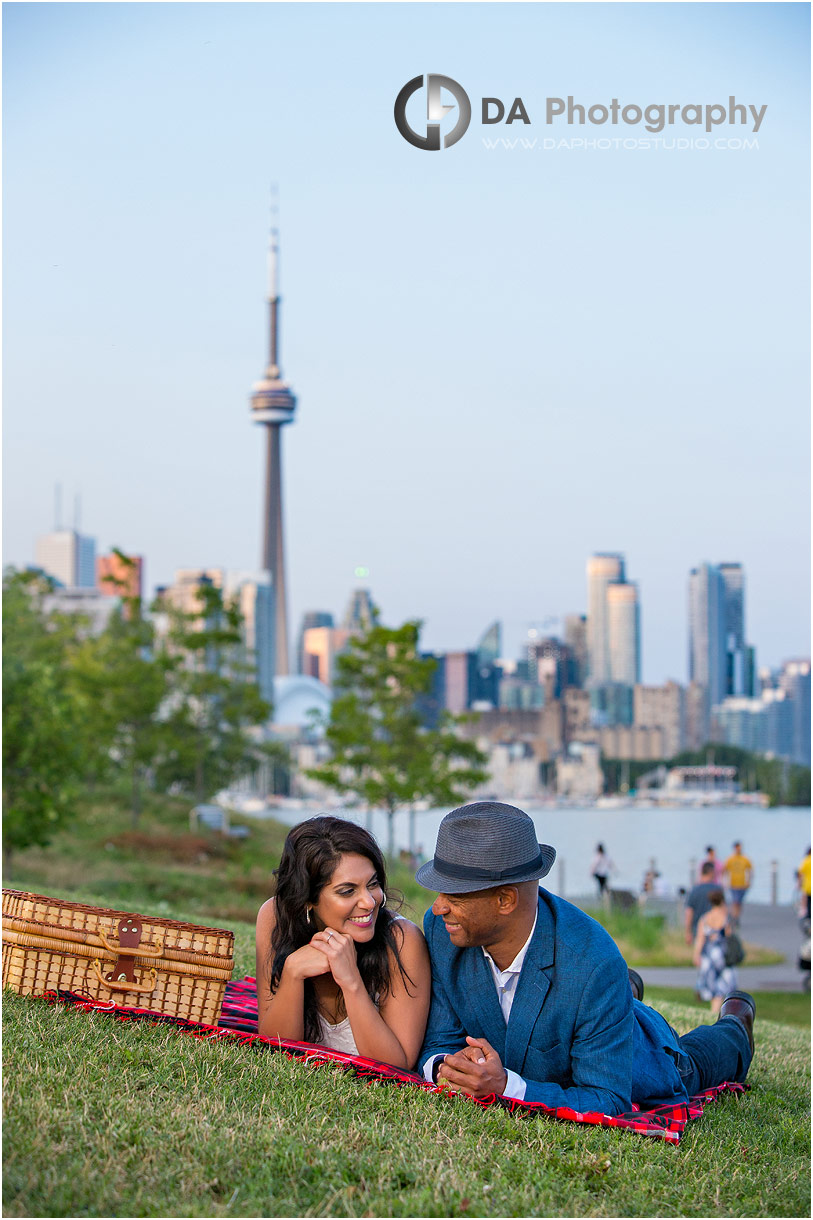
504,359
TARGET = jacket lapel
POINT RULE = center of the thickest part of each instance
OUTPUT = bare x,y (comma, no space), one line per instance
481,1007
532,988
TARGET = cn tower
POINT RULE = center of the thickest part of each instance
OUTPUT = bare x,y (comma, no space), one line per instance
273,405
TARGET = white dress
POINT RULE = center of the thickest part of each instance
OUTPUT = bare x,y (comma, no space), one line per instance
337,1037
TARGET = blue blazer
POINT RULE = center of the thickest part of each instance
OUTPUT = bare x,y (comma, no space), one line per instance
575,1034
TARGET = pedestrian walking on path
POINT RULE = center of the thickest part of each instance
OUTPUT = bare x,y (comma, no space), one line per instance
600,868
698,901
740,873
711,858
714,978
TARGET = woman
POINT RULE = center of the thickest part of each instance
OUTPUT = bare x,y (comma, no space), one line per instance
334,965
714,978
600,868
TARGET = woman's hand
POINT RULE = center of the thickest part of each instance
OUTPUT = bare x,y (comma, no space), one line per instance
307,962
340,952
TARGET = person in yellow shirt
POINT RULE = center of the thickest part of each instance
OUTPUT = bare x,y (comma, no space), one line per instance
739,871
803,877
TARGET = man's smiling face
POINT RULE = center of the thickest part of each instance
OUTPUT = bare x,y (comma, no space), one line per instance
470,919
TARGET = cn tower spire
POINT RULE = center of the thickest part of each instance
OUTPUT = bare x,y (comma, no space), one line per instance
273,287
273,405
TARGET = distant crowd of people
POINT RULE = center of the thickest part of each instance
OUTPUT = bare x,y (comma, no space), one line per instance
711,919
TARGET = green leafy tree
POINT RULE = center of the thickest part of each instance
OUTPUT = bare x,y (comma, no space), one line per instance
125,681
381,749
45,756
214,708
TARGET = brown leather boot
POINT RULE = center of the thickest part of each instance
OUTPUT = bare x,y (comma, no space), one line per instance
742,1005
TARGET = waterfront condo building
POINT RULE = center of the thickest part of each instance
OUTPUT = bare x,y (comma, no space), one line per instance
624,633
602,570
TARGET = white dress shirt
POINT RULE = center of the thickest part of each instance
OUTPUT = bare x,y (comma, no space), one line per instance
505,983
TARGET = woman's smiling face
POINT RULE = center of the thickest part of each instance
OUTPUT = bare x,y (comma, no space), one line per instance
351,900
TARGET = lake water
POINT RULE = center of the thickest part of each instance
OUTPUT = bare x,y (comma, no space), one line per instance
631,837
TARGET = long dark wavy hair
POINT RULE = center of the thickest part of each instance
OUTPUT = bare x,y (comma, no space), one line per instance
309,858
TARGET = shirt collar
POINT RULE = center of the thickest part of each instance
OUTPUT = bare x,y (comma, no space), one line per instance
517,963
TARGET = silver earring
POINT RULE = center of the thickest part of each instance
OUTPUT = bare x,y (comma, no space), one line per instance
308,915
383,899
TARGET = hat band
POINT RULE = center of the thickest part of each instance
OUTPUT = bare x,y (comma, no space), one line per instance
489,874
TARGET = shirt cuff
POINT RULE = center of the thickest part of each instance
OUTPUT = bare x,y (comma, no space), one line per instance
515,1087
428,1067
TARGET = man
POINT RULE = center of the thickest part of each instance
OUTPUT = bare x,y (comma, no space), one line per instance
698,904
739,872
531,998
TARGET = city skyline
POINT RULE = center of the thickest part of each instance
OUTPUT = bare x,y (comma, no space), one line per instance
505,362
718,655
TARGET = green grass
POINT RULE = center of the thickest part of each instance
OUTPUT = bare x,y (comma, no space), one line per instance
105,1119
787,1007
647,940
160,865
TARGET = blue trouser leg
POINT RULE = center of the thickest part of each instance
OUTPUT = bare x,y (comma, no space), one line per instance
711,1054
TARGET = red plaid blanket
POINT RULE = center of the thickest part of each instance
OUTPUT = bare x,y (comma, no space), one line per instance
238,1022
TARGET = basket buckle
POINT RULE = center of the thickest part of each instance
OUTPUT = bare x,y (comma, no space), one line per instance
129,938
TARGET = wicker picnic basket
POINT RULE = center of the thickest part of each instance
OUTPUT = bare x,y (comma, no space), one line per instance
136,960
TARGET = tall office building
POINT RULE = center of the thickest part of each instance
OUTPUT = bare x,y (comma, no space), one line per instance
69,557
795,681
602,570
624,633
707,630
489,646
254,595
273,405
737,652
719,656
576,640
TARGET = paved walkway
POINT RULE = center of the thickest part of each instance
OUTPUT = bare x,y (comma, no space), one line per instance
774,927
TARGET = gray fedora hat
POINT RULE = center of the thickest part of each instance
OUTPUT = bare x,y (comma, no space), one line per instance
482,845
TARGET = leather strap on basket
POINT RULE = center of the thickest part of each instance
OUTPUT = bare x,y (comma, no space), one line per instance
123,986
129,935
155,950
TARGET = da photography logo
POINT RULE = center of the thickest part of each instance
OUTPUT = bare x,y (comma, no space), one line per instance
435,112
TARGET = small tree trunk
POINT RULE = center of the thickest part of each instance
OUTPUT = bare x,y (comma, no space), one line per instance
391,833
135,797
199,793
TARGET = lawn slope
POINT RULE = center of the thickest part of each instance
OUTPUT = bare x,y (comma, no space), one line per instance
108,1119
